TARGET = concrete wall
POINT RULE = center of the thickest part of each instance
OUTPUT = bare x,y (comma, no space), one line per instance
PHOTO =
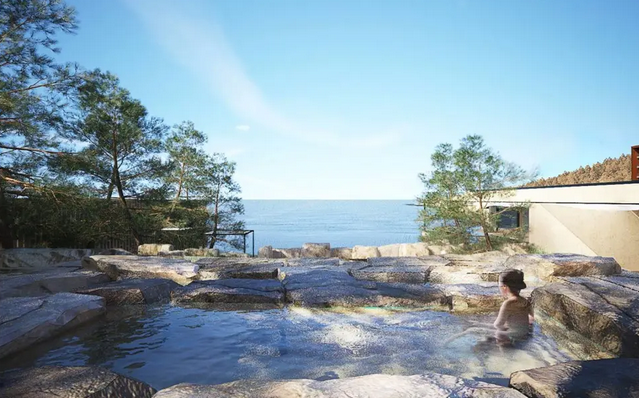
590,229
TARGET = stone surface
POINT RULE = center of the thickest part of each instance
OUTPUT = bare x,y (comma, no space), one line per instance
476,297
114,252
231,291
52,281
431,385
398,269
193,252
317,250
592,317
389,250
39,258
152,249
287,253
606,378
25,321
548,267
419,249
245,268
70,382
463,274
344,253
364,252
265,252
134,291
180,271
312,262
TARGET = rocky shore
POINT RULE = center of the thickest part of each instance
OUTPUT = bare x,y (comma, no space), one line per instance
588,304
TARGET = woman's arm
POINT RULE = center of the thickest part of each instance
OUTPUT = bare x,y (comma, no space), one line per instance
500,322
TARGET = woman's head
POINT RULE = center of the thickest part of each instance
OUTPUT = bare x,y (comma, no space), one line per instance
513,279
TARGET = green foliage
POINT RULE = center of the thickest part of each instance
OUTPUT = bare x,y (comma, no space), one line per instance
460,187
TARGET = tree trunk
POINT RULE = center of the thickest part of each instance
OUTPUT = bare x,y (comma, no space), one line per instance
179,190
489,243
6,236
118,184
215,215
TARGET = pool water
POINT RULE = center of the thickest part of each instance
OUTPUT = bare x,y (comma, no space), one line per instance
166,345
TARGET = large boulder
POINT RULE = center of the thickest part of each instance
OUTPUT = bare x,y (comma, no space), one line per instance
234,291
364,252
390,250
123,267
431,385
320,250
152,249
463,274
26,259
195,252
265,252
344,253
25,321
238,267
114,252
419,249
547,267
592,317
606,378
476,297
287,253
52,281
134,291
70,382
398,269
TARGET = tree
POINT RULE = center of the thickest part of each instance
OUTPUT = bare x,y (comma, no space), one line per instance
223,194
119,143
461,186
184,146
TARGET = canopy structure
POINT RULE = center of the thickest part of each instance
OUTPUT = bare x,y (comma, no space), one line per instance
239,232
576,205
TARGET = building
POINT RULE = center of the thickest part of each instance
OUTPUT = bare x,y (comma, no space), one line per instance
592,219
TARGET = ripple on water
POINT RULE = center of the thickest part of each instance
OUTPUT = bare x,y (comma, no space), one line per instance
166,345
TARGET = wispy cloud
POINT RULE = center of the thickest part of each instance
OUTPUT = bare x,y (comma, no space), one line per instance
201,47
243,127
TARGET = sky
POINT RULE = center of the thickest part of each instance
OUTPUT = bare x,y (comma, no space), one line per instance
347,99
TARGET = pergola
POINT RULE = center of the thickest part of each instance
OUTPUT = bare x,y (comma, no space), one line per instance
238,232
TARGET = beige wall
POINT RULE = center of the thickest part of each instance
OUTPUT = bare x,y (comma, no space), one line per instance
561,228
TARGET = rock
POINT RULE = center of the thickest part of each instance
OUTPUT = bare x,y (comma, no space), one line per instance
485,259
431,385
437,250
192,252
592,317
547,267
134,291
317,250
419,249
398,269
265,252
413,296
476,297
152,249
364,252
312,262
463,274
287,253
514,248
231,291
25,321
118,267
115,252
390,250
39,258
70,382
172,253
237,267
606,378
344,253
53,281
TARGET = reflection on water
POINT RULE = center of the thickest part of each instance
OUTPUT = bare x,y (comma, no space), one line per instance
166,345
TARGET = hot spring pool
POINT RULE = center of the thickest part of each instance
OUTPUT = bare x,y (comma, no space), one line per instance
165,345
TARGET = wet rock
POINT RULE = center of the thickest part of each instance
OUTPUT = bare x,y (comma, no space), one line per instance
265,252
364,252
39,258
53,281
25,321
317,250
592,317
70,382
231,291
606,378
476,297
547,267
134,291
123,267
431,385
413,295
344,253
152,249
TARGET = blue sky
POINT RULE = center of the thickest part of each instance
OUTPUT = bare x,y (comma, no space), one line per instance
347,99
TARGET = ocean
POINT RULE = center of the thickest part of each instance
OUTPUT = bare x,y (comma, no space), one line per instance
342,223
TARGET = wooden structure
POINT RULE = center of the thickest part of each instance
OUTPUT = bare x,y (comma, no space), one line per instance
634,156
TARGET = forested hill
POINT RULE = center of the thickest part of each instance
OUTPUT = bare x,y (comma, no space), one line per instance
610,170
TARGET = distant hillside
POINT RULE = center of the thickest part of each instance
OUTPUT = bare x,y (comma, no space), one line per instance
610,170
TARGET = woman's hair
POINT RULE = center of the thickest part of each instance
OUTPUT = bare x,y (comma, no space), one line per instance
514,279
